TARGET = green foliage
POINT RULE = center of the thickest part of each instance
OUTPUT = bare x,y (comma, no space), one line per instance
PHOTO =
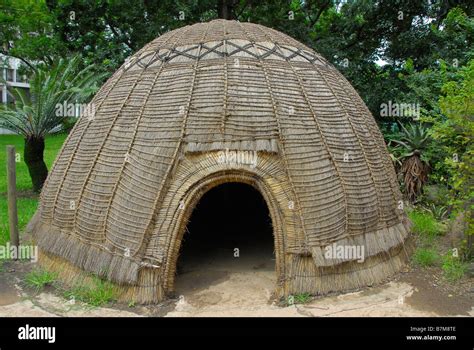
439,212
98,293
435,194
38,279
23,182
454,134
424,224
409,154
27,31
453,268
35,114
41,111
107,32
425,257
413,139
353,35
302,298
456,131
26,209
28,203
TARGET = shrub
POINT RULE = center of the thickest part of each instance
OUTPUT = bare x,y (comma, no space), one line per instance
424,224
453,268
425,257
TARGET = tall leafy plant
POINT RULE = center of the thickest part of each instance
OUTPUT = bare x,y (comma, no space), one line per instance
455,133
410,145
33,115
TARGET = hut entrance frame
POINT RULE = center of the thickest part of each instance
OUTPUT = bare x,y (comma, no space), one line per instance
259,179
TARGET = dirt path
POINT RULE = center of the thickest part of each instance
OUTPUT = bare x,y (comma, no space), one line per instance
228,298
243,288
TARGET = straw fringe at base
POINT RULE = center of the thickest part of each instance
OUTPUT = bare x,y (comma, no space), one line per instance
305,277
90,258
373,242
148,289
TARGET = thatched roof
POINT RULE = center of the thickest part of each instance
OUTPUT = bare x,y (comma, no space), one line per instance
209,87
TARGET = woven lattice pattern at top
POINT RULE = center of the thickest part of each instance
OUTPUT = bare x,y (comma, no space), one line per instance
229,48
110,197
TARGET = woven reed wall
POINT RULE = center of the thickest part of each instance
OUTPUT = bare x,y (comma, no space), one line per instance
111,202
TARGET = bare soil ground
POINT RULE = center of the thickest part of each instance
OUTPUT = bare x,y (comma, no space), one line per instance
221,285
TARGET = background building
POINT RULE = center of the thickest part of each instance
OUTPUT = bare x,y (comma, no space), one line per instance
10,70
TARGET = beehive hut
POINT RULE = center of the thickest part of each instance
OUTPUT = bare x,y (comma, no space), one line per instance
119,195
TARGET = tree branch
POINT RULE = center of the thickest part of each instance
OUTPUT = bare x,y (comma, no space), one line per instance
323,8
6,53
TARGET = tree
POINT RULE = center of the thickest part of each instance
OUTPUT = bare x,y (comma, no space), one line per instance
27,32
454,134
354,35
107,32
35,114
389,50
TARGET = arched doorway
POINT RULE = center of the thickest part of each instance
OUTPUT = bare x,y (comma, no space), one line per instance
268,183
229,232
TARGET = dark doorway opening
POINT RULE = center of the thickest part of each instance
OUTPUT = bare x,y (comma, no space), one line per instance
230,230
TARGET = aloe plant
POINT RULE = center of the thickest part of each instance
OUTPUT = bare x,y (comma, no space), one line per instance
410,144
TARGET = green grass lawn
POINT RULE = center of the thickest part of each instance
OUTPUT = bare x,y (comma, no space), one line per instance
26,203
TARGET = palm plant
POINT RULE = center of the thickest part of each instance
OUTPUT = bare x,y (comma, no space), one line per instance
411,142
34,115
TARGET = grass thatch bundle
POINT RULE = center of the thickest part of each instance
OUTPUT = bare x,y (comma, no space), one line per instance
120,193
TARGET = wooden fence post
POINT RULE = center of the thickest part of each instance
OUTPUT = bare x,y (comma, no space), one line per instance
12,208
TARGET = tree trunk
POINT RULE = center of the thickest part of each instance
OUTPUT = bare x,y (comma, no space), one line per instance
224,9
34,150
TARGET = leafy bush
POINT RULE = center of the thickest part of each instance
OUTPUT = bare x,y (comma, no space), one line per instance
453,268
424,224
435,194
454,135
426,257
